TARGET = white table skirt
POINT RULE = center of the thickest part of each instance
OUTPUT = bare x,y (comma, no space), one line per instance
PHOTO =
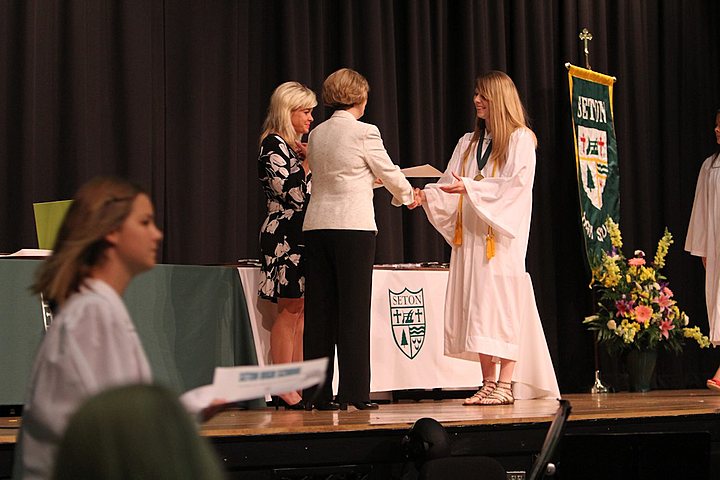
406,331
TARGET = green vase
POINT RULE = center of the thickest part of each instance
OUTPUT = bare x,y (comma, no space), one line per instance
640,367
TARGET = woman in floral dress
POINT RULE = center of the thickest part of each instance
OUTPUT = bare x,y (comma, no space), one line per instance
285,177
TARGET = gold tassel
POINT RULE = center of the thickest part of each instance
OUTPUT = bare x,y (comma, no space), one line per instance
457,241
490,244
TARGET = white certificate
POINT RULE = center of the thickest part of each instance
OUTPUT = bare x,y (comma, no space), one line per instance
234,384
422,171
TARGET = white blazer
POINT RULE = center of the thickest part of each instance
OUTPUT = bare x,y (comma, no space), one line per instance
346,156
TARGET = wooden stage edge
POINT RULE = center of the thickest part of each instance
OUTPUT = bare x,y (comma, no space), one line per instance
266,443
451,413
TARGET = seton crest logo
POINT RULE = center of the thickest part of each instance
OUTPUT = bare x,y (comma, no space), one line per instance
592,149
407,319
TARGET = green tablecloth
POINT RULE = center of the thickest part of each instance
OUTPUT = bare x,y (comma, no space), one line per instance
190,320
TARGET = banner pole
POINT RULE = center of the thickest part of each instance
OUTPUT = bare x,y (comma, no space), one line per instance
586,36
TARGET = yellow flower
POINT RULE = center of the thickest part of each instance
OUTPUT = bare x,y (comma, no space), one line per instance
696,335
662,249
647,274
614,232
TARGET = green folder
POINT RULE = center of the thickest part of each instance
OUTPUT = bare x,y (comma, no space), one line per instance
48,218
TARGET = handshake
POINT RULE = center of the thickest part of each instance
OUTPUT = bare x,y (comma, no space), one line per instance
418,199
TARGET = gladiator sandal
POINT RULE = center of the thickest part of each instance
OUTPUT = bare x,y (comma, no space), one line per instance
502,395
487,388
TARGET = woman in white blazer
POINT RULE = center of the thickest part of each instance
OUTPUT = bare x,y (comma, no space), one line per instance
346,157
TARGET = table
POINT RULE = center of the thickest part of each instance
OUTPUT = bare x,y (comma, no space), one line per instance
190,319
406,330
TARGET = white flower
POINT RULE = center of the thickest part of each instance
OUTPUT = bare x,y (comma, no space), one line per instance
267,287
282,278
296,194
283,148
282,249
276,183
274,206
294,258
288,213
276,162
272,226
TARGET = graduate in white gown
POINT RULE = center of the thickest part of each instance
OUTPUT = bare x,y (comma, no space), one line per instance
703,239
482,206
108,237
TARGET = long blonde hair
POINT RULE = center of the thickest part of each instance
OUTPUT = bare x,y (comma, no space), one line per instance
286,98
506,114
99,208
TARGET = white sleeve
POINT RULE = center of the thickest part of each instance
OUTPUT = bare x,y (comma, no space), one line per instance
696,240
441,207
501,200
383,168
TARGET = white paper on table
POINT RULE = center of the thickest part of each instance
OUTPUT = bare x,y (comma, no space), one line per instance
30,252
421,171
234,384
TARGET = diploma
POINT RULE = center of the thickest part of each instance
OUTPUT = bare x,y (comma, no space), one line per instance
234,384
421,171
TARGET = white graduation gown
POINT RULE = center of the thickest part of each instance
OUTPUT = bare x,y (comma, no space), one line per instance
490,305
703,236
91,345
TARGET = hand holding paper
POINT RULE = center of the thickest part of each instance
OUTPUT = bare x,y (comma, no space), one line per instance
234,384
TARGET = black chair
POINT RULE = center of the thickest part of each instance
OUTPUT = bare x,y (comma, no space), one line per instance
429,445
475,467
544,466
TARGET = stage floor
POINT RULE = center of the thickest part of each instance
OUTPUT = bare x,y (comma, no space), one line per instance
451,413
681,427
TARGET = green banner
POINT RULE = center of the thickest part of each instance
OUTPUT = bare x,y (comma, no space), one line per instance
596,158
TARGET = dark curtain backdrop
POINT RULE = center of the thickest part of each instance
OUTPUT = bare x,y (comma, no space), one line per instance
172,93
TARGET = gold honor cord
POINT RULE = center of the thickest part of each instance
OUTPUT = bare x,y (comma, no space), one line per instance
490,237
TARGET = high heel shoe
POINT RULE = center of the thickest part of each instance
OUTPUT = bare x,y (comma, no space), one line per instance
279,402
323,406
360,405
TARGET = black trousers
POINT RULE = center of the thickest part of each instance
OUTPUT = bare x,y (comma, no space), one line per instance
338,290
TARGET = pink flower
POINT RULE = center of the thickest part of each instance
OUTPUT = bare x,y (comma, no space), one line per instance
667,291
643,313
664,300
623,306
636,262
665,327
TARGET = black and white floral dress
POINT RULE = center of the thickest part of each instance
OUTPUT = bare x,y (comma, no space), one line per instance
287,189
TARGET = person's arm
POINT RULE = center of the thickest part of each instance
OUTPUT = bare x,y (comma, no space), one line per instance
384,169
696,239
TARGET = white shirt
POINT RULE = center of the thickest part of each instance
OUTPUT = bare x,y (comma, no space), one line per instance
346,156
91,345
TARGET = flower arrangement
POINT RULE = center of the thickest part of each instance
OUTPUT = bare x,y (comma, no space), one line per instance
637,308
